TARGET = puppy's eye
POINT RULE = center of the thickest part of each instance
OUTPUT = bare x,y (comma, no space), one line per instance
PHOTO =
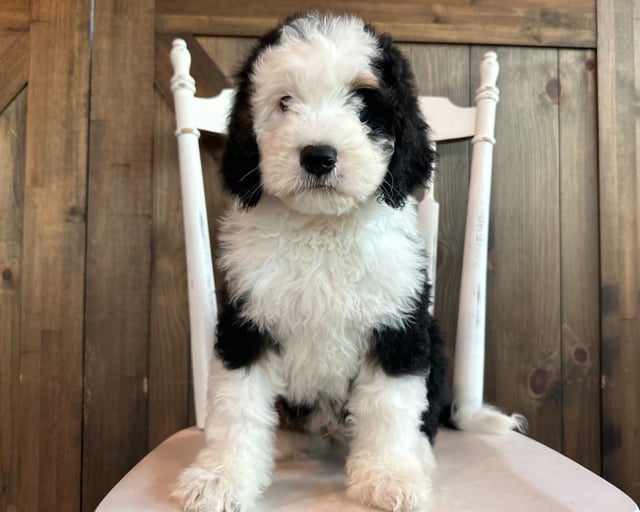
284,103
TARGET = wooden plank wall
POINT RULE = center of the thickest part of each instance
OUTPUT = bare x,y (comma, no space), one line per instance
49,197
526,22
12,133
118,245
93,301
619,131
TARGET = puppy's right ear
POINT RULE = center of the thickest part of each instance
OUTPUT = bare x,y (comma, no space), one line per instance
241,162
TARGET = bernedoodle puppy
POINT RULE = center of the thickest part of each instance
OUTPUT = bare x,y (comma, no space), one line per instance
325,316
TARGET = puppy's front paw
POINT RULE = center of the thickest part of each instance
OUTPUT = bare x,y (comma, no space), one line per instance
202,490
386,488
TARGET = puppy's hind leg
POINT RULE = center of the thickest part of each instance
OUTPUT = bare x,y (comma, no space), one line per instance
235,466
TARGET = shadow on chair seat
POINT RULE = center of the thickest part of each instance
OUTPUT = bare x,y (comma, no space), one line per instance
479,473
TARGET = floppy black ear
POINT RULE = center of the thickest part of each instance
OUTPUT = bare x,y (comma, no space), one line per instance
241,161
413,156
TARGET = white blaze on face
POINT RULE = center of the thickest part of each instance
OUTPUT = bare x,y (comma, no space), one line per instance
315,67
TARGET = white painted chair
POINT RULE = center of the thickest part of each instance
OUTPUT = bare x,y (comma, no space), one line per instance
475,472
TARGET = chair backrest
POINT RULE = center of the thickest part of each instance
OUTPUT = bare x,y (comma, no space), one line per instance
447,121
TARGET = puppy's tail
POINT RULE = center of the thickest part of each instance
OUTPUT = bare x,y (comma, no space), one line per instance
486,420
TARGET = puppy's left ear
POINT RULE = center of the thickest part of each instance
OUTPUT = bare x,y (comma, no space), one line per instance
413,156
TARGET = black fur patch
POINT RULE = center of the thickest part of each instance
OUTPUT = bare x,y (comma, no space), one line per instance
416,349
377,112
239,342
241,162
413,157
437,388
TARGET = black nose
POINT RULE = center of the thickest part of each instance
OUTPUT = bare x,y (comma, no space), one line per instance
318,159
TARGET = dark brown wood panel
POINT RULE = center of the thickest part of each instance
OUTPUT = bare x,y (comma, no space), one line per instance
52,288
619,146
14,65
576,95
118,244
570,23
12,132
523,364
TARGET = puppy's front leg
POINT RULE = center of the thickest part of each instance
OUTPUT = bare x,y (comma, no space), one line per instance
391,459
236,464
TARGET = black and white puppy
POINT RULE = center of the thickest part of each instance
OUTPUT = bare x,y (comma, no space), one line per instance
326,289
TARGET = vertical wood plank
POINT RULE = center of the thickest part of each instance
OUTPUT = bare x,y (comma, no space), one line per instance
523,362
619,143
12,148
443,70
169,361
579,253
53,262
118,244
14,64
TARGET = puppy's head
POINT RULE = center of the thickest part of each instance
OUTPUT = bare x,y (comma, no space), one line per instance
325,117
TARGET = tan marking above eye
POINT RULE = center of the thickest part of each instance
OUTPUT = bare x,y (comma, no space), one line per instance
364,80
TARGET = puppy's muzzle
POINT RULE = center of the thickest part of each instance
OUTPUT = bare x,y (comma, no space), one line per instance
318,159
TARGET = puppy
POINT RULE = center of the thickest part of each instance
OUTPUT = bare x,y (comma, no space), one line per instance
325,310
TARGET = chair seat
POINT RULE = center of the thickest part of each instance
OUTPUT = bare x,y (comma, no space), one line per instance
475,473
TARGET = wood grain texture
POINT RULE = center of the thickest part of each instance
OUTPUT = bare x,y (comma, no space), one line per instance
576,95
169,361
523,361
569,23
118,245
443,70
14,14
12,147
53,263
228,53
14,65
619,146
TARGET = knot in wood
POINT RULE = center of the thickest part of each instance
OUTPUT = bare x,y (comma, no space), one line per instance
538,381
580,355
552,88
590,64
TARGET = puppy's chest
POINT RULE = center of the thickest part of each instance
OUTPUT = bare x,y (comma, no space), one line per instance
320,290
